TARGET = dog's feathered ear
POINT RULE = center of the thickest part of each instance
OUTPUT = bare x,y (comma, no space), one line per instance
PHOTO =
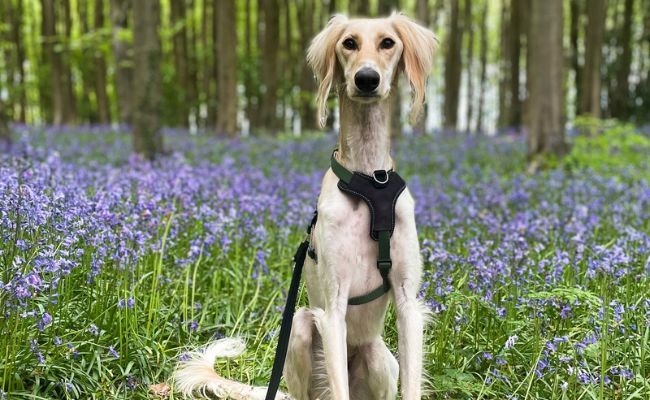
420,45
321,57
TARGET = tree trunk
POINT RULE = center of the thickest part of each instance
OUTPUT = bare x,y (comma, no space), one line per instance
15,60
53,63
146,91
575,28
88,107
103,103
545,114
514,106
452,68
620,96
423,15
179,48
192,88
270,39
227,78
123,60
210,61
591,82
5,133
468,22
69,97
251,83
483,74
359,8
288,67
306,23
7,19
504,64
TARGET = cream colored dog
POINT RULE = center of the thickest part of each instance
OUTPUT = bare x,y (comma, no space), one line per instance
336,350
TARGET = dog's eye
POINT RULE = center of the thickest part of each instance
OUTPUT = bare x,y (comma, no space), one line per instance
350,44
387,43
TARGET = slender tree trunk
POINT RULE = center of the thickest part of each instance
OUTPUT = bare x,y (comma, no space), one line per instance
123,59
545,116
483,74
306,22
20,60
504,63
591,82
288,67
209,64
193,63
146,92
227,78
452,68
270,35
69,97
7,19
251,83
52,61
468,21
359,8
5,133
179,51
423,15
514,114
101,84
620,96
15,60
87,110
574,38
642,88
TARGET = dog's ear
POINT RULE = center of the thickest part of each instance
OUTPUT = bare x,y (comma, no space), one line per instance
321,57
420,45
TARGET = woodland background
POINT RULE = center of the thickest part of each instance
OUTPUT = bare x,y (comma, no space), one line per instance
231,67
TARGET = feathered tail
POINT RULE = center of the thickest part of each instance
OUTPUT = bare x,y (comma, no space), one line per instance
197,375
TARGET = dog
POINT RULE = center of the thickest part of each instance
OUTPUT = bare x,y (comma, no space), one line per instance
336,350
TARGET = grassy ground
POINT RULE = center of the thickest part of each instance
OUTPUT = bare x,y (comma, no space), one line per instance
111,267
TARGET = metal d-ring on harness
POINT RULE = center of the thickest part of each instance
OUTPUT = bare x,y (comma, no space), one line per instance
380,192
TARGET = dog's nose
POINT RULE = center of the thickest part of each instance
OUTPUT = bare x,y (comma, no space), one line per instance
366,79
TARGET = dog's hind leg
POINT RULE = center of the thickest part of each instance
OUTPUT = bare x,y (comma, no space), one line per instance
298,368
373,372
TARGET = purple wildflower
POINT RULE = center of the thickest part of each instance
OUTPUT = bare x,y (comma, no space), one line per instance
112,352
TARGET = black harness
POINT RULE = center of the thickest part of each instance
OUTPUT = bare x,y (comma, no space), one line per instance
380,192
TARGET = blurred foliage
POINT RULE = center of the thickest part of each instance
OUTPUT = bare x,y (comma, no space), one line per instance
608,145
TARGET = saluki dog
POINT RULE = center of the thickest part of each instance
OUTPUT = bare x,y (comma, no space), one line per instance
336,350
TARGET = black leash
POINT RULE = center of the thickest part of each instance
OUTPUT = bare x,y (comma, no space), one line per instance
287,318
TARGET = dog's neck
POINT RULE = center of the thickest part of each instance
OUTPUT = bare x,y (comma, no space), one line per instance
364,140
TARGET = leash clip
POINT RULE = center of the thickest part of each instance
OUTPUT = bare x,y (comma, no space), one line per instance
381,177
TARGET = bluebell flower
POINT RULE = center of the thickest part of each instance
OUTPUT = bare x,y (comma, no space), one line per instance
112,352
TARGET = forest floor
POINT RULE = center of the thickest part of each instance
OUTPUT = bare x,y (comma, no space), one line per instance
113,267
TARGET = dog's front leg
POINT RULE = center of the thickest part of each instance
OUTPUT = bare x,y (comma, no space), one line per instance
411,314
410,323
332,328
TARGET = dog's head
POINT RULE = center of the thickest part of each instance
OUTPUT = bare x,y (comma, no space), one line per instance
364,55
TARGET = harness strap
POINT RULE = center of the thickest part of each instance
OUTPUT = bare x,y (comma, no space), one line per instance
384,265
339,170
380,193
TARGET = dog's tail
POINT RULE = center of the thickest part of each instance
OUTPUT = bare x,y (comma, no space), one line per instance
197,375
